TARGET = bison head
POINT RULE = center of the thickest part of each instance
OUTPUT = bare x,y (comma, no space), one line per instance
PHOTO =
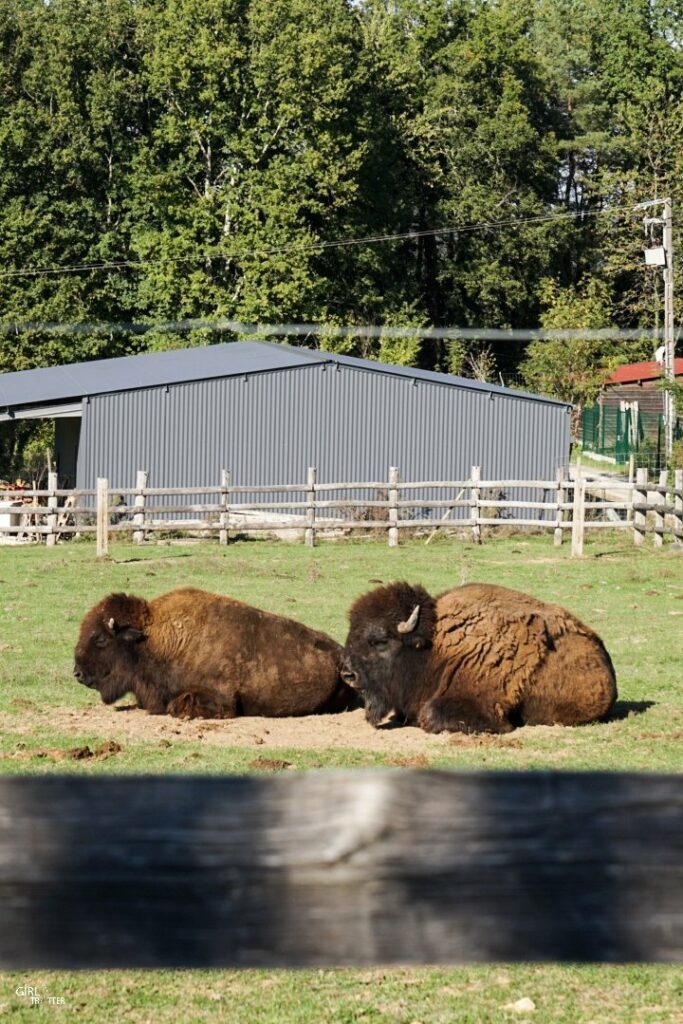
108,645
387,649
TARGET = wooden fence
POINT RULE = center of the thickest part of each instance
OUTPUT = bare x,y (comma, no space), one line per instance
584,502
340,868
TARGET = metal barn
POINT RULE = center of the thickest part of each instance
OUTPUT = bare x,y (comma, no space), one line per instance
268,411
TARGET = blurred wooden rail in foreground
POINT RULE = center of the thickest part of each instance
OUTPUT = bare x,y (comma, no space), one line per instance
340,868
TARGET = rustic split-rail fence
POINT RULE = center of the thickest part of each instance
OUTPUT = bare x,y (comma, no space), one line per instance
570,503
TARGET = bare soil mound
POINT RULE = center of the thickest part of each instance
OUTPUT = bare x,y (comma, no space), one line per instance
126,723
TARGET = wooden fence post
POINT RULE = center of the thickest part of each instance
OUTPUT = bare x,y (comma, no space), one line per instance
51,519
309,534
639,497
412,867
224,532
678,508
578,513
631,478
139,515
560,498
102,517
660,499
393,506
474,503
32,520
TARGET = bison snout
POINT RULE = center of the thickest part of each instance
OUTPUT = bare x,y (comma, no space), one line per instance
349,676
80,677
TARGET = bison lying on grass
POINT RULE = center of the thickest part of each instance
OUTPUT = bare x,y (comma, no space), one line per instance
198,655
478,658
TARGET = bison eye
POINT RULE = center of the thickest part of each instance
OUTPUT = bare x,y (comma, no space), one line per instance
101,641
379,641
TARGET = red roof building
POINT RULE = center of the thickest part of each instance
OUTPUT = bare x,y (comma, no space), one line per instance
641,383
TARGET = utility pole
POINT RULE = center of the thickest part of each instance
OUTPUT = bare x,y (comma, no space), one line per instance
669,354
663,256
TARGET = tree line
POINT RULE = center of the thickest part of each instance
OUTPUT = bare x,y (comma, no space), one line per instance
197,157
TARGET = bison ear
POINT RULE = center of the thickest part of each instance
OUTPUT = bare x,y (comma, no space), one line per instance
129,634
416,642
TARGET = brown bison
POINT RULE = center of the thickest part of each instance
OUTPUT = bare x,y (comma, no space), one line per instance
198,655
479,658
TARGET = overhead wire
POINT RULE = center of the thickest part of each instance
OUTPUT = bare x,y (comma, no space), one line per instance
257,330
313,246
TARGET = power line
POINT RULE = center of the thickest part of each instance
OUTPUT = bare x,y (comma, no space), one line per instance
492,225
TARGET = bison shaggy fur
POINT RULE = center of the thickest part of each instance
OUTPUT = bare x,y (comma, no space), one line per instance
193,654
479,658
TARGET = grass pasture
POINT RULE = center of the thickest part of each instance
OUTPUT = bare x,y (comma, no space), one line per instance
632,597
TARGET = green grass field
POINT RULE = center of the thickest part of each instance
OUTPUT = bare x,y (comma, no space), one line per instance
632,597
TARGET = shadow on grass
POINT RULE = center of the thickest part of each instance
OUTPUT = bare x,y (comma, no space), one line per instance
625,708
163,558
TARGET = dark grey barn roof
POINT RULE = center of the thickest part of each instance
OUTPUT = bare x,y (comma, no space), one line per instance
75,381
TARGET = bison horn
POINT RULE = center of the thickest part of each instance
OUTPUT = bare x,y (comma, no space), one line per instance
111,625
409,625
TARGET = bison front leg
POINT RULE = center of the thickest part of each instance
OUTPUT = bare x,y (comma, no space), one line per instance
201,704
447,714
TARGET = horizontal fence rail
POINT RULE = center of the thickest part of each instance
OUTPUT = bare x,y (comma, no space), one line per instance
311,509
340,868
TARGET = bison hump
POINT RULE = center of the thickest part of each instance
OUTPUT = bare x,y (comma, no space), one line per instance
495,636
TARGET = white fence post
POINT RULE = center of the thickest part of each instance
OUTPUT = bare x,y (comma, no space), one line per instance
474,503
660,499
631,478
578,513
224,532
102,517
139,503
639,498
51,519
393,506
309,534
560,497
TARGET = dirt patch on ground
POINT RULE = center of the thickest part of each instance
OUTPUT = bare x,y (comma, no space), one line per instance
269,764
126,724
110,728
104,750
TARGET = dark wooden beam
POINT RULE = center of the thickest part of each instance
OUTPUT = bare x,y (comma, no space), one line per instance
340,867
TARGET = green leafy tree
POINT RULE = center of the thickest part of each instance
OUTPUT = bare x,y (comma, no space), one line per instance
208,151
69,112
616,69
573,370
479,137
252,158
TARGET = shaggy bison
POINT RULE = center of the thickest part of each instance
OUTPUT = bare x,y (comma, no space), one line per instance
479,658
198,655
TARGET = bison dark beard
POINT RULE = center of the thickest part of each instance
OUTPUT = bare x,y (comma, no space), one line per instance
113,687
377,707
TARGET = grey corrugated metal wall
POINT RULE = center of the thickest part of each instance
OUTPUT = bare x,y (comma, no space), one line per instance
351,424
